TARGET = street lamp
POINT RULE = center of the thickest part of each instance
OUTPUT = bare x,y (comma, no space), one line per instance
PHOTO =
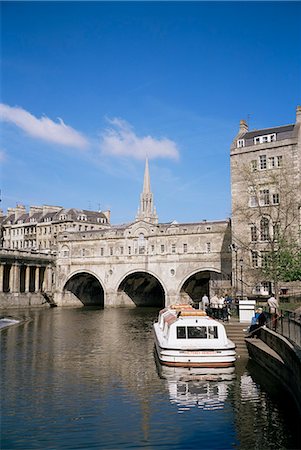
234,248
241,261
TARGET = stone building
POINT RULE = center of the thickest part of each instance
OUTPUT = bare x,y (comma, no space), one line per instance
39,228
266,199
144,262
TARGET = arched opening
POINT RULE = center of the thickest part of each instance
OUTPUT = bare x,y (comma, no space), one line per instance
205,282
86,288
143,289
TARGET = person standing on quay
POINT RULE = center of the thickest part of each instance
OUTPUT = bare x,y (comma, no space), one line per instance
205,302
273,309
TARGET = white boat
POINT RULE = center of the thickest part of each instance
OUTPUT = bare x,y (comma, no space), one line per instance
186,337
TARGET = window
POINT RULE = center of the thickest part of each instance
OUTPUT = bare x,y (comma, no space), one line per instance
262,162
197,332
173,248
121,250
141,244
275,199
253,201
208,247
101,251
185,248
254,259
265,139
129,250
276,230
212,332
152,248
111,251
279,161
162,248
264,259
240,143
254,165
181,332
266,286
264,229
272,162
253,233
264,197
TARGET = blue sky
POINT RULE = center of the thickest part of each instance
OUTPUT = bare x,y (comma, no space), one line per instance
89,88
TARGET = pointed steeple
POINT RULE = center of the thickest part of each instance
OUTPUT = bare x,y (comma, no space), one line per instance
146,211
146,181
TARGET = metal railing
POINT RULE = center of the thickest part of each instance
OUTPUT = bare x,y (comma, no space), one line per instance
286,323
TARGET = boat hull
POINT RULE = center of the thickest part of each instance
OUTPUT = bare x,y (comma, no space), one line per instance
211,358
190,360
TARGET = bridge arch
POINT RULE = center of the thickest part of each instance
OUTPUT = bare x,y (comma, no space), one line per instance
85,286
205,280
142,288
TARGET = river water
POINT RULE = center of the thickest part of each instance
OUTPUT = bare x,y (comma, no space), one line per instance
87,378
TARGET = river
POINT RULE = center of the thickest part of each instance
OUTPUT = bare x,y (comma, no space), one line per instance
87,378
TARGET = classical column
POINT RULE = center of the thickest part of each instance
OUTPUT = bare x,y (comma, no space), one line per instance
11,278
16,278
48,279
27,278
1,277
37,278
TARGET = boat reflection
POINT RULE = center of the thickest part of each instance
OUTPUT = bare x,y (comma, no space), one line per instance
202,388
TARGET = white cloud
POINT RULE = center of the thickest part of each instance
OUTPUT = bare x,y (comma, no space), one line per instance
120,140
43,128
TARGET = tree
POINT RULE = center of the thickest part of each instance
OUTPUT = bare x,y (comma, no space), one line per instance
269,205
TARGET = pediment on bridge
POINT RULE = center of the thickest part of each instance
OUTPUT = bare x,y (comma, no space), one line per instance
141,227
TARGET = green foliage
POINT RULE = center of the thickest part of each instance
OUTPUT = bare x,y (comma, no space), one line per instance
283,263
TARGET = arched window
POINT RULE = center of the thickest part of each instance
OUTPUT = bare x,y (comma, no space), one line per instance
264,229
141,244
65,251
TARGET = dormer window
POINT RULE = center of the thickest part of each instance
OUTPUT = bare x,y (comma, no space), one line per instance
265,139
240,143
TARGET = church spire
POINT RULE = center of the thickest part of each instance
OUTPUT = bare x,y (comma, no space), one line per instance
146,181
147,211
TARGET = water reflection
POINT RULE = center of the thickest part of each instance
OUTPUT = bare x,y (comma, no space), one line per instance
188,388
87,378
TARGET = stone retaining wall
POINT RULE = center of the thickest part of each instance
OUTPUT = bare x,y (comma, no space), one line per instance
285,365
21,300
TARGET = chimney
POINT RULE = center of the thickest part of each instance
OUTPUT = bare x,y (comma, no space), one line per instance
243,126
298,114
19,211
35,209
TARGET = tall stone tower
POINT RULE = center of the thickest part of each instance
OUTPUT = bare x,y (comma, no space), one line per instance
147,211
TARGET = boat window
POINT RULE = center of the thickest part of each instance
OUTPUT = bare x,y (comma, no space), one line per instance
212,333
181,332
197,332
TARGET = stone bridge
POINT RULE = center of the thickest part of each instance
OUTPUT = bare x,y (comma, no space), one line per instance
143,264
